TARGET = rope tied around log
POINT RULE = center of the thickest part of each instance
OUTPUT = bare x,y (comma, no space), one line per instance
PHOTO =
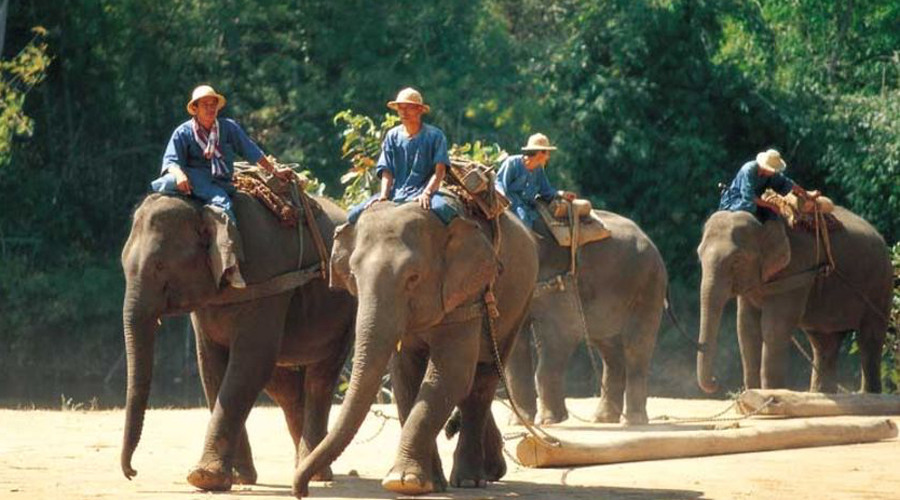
718,416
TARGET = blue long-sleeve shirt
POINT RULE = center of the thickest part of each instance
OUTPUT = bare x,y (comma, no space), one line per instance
184,151
521,186
749,185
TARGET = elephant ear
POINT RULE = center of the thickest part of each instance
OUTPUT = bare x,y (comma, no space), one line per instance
469,264
339,272
774,248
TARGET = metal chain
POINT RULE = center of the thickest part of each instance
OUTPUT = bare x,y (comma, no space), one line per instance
384,420
812,364
718,416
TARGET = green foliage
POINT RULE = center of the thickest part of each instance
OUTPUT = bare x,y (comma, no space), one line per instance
890,368
362,145
490,155
17,77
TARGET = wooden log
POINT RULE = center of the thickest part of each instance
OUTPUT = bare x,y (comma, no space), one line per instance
664,445
815,404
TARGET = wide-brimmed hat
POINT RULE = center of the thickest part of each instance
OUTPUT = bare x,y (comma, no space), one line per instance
409,95
201,92
771,160
538,142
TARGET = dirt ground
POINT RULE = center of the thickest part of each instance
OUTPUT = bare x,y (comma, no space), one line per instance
74,455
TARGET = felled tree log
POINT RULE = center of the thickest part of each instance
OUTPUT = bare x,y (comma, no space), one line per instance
815,404
665,445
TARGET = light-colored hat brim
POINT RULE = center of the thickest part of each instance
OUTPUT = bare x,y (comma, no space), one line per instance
762,161
528,149
190,105
393,105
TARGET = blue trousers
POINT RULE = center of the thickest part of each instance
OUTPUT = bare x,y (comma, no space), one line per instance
204,187
439,207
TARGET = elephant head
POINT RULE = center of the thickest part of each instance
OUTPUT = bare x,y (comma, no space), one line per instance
407,270
166,271
737,254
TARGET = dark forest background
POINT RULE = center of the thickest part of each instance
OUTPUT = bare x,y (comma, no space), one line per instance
652,103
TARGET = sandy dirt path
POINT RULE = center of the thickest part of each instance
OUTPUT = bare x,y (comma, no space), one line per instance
74,455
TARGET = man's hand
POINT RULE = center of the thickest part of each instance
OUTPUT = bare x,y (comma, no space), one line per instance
812,195
424,199
568,195
381,197
181,180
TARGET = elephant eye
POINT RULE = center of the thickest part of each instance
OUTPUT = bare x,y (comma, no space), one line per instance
413,280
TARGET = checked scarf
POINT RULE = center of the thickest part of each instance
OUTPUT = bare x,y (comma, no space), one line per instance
209,143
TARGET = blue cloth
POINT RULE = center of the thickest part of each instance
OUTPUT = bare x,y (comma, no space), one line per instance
184,152
412,162
522,186
749,185
439,206
204,187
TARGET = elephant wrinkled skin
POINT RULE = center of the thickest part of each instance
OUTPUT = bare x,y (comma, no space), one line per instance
622,284
292,344
738,254
409,271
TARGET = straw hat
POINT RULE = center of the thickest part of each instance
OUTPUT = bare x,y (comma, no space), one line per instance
409,95
201,92
771,160
538,142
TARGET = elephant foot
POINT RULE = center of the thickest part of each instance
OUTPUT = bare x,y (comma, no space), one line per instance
637,418
210,477
550,417
324,474
514,420
462,480
607,412
407,483
243,474
495,469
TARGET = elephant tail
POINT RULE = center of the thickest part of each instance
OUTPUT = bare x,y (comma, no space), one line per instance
670,312
451,428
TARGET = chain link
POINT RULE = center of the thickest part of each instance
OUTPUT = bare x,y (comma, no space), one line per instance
384,420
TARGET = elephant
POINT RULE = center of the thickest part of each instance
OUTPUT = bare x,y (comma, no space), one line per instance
292,344
621,282
770,268
413,276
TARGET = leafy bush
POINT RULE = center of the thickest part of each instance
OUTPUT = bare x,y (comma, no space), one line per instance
361,146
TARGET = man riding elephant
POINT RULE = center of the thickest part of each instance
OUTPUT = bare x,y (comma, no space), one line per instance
752,180
522,179
413,160
199,161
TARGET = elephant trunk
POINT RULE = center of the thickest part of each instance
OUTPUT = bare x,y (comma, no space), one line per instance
379,324
713,295
140,328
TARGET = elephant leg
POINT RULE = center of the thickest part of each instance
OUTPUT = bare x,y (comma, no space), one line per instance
555,341
448,379
212,360
638,349
407,372
479,452
780,316
750,342
870,339
256,339
520,373
286,389
612,384
825,347
321,379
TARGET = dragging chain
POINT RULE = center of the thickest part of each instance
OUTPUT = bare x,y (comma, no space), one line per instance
384,420
718,416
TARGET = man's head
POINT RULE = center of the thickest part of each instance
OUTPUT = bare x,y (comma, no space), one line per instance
409,105
205,104
770,163
538,150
